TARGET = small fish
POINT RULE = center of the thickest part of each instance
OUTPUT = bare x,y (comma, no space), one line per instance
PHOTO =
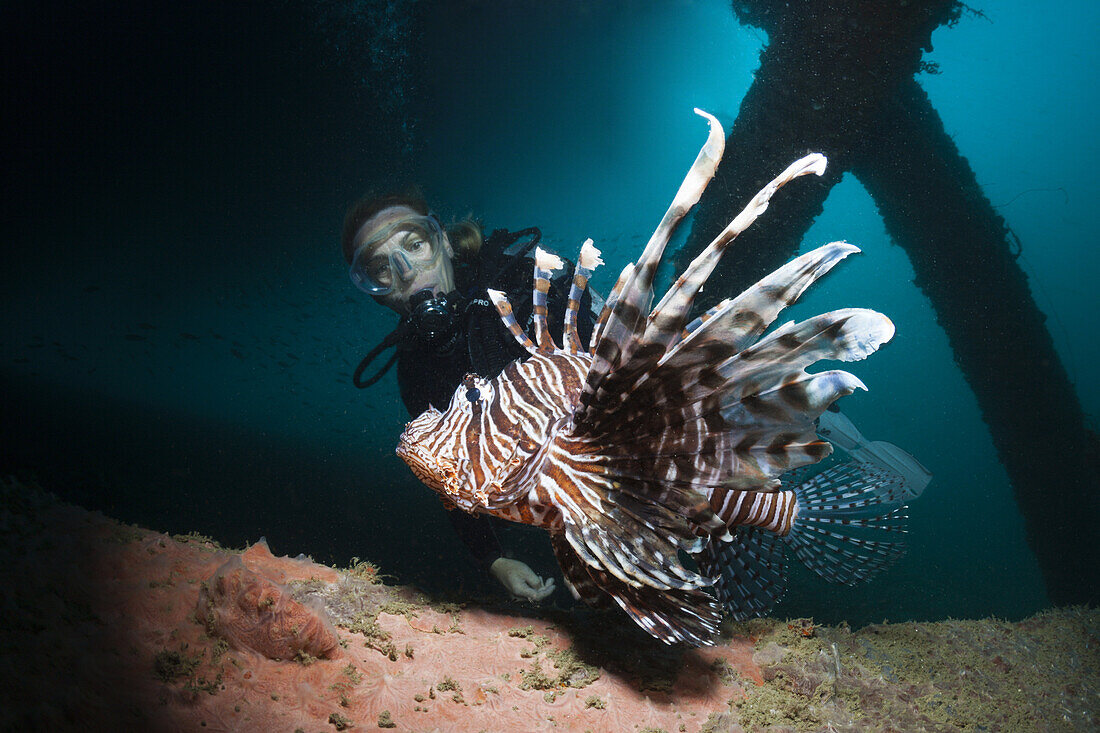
665,436
134,337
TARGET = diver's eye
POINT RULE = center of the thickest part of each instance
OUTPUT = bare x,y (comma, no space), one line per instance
379,271
417,247
473,394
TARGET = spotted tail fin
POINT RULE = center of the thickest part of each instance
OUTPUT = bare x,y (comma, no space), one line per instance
845,524
845,528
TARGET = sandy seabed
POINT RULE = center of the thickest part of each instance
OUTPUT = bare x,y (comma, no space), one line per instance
108,626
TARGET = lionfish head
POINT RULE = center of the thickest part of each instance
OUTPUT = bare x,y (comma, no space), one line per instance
460,453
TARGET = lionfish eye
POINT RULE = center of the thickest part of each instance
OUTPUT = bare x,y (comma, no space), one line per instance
473,394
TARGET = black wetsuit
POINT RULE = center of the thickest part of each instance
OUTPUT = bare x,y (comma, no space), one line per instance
429,374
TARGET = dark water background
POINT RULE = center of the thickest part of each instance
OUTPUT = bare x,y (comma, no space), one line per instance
178,329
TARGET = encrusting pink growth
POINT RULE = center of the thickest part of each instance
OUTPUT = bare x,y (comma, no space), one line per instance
252,612
115,646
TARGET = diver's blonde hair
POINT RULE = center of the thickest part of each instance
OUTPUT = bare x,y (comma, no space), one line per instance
466,239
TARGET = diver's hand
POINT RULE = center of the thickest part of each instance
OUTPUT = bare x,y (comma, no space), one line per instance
520,580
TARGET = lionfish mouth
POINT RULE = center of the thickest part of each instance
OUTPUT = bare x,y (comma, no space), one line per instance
439,473
421,464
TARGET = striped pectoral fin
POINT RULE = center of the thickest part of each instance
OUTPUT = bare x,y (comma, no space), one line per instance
770,510
629,492
739,321
781,452
689,616
795,398
748,565
575,574
627,545
697,323
848,334
631,549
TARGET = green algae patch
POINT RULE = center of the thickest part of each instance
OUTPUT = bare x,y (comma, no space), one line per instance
725,672
203,542
572,671
971,674
399,608
304,658
447,608
354,604
533,678
353,674
376,637
449,685
170,665
173,665
341,722
779,705
956,675
363,570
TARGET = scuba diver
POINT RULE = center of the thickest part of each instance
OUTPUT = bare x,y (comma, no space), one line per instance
435,279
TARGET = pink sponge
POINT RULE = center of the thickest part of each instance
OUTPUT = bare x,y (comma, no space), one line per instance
253,612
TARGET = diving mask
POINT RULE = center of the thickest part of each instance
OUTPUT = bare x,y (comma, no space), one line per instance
396,253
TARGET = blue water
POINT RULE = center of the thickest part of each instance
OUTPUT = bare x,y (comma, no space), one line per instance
178,329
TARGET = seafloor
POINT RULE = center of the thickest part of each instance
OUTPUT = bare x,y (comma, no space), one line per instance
112,626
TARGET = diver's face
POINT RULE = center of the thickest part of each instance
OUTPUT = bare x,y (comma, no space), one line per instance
397,255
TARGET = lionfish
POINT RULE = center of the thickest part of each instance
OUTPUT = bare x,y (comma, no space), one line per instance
666,438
